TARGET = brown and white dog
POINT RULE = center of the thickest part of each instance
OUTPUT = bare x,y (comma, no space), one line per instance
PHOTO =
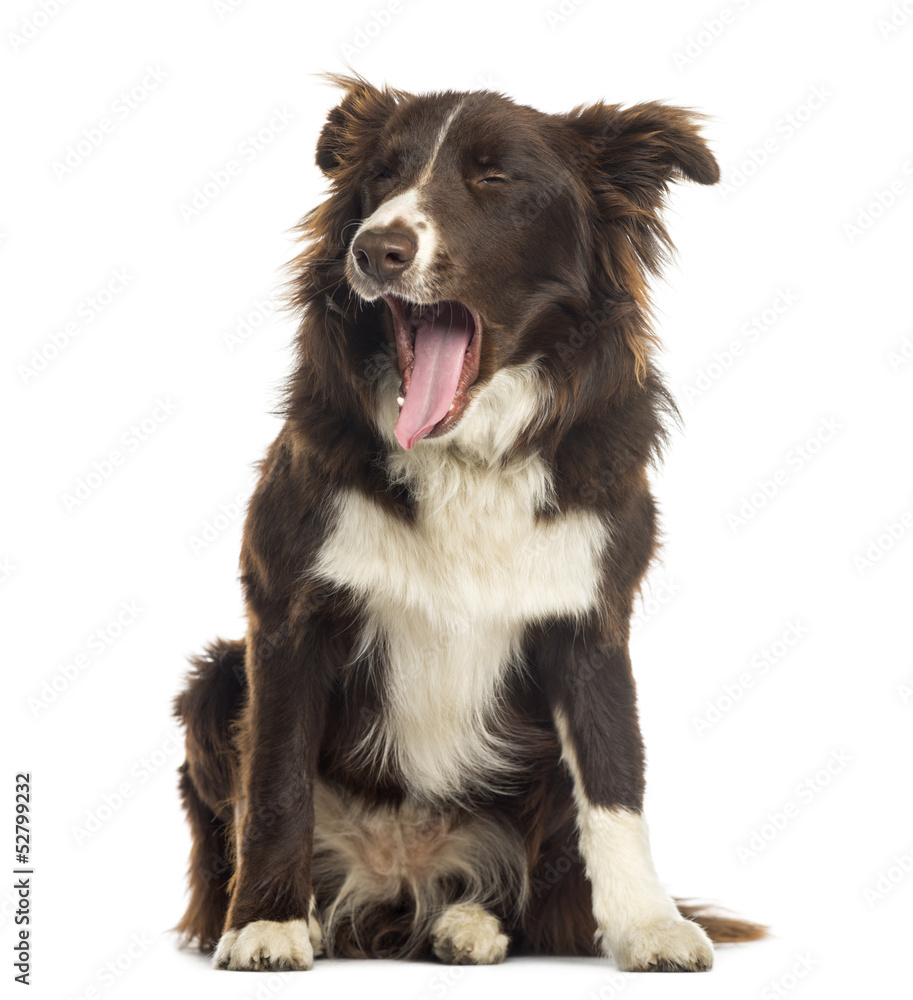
428,740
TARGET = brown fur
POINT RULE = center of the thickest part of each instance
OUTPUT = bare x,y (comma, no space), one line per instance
558,264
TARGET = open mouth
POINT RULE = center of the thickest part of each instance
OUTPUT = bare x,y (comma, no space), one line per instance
437,348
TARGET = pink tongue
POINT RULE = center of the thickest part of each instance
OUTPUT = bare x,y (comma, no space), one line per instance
441,338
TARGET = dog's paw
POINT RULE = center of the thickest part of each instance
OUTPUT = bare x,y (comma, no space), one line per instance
668,945
467,934
267,945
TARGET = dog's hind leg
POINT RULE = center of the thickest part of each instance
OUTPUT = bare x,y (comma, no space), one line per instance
208,707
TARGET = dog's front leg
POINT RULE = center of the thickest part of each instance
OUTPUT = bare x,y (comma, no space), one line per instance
595,713
271,922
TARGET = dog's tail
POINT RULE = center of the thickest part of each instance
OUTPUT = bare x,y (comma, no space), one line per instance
208,708
721,928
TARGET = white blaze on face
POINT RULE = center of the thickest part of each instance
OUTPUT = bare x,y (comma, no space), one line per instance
404,212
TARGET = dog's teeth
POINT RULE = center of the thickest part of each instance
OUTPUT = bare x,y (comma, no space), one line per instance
402,399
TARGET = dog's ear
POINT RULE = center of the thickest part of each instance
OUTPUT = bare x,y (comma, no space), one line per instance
353,125
643,147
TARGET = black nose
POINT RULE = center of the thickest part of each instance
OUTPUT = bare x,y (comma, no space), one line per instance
383,255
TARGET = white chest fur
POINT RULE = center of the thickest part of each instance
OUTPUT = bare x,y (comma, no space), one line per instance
447,600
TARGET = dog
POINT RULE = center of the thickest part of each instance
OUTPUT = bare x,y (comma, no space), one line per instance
427,743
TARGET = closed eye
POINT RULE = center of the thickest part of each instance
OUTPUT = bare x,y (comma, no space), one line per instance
494,179
383,174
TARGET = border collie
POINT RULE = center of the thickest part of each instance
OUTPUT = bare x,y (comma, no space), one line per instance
427,742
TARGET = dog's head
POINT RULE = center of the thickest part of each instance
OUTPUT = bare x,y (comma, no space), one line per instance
486,235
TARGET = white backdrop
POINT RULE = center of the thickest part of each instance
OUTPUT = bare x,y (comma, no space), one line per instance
142,359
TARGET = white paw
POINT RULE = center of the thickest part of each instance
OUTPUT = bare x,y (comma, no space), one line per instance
667,945
267,945
467,934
